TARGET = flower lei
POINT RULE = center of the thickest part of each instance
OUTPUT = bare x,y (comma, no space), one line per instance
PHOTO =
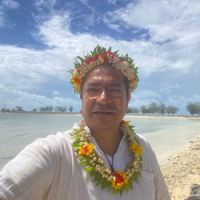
102,56
87,155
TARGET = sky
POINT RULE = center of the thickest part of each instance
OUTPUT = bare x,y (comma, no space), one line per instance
39,40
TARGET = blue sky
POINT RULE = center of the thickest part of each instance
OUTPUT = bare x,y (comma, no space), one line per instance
40,39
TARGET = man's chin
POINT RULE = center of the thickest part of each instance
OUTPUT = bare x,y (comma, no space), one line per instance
104,120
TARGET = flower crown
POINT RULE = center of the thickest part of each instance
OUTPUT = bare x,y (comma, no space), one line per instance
102,56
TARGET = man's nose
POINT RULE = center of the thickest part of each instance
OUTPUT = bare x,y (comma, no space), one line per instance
104,97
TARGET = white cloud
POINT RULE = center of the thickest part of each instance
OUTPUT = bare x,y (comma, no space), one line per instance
56,93
145,97
151,57
164,19
194,98
9,4
6,5
140,102
174,32
181,100
25,68
1,18
84,2
168,88
48,4
112,1
111,25
144,94
25,99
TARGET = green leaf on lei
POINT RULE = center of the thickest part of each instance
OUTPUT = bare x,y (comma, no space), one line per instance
135,177
89,169
100,181
105,184
98,176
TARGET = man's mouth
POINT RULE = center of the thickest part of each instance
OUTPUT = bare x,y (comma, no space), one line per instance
103,112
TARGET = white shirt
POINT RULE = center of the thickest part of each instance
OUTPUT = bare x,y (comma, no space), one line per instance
48,170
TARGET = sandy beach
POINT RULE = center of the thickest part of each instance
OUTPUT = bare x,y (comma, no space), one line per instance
183,170
162,116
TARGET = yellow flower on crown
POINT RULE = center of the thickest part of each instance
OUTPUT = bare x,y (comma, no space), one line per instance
102,56
136,148
76,81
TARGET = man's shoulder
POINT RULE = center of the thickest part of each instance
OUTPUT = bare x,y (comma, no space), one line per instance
141,138
54,141
59,137
143,141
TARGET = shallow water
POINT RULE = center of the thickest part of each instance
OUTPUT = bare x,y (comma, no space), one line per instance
165,135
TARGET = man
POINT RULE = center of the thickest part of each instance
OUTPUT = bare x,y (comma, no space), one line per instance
101,157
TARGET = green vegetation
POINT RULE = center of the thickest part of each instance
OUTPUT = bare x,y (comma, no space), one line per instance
161,109
46,109
154,108
193,108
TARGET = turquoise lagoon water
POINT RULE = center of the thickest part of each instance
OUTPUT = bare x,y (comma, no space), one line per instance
166,135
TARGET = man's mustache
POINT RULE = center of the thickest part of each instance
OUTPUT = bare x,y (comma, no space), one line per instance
106,107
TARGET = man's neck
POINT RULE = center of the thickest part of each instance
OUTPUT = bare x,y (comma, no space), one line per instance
108,140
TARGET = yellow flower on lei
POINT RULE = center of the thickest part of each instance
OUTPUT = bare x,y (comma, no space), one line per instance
86,149
95,167
124,123
136,148
119,180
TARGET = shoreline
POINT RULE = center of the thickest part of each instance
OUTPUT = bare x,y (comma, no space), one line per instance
164,116
182,170
180,167
126,115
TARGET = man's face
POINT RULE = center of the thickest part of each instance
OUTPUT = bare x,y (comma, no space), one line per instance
104,110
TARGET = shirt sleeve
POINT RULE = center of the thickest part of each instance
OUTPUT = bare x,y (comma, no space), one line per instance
161,190
30,173
152,166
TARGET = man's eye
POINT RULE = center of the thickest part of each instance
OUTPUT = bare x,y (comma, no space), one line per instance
115,90
92,90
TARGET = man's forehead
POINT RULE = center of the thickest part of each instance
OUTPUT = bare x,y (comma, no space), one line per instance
106,67
104,75
105,70
95,79
96,84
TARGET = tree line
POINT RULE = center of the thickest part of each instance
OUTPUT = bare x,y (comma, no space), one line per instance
46,109
151,108
154,108
193,108
160,108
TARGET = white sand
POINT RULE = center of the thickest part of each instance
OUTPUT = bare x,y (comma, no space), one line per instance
183,170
